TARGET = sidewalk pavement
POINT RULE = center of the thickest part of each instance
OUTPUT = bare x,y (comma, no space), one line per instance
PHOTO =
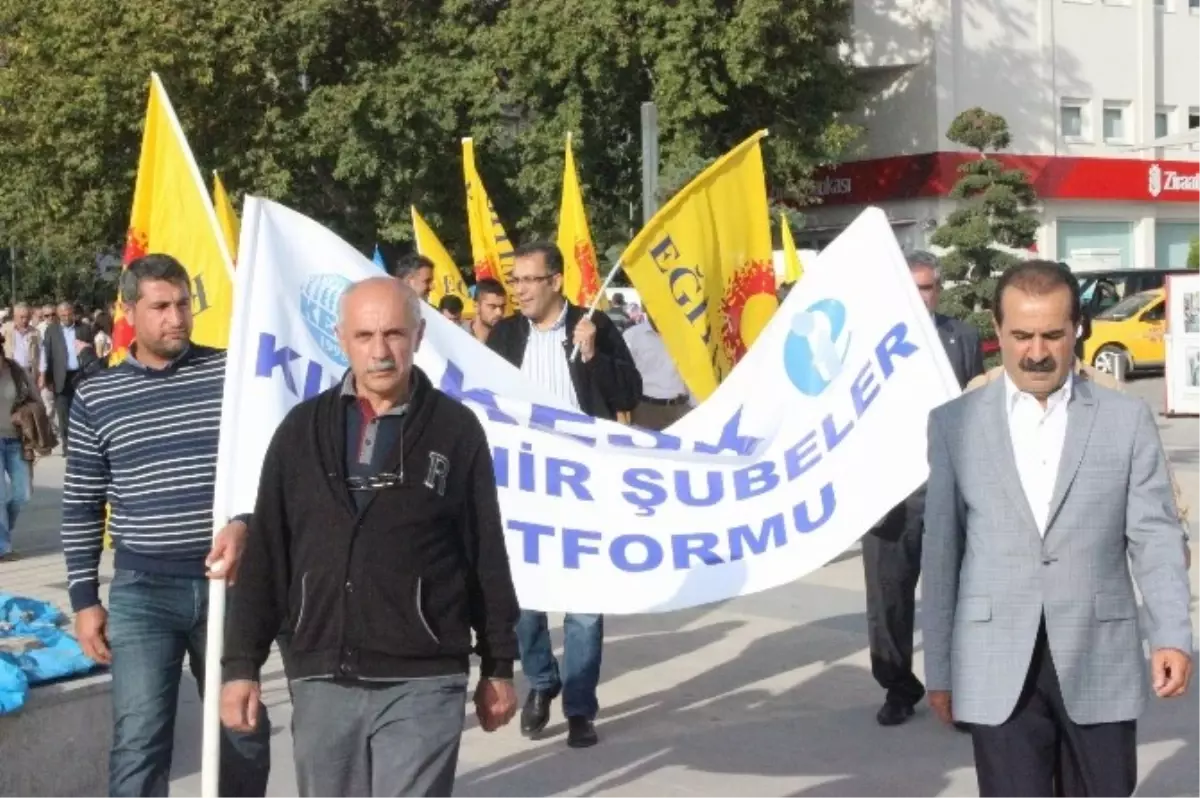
769,694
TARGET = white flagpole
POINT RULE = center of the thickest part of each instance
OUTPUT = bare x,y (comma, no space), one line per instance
214,649
596,301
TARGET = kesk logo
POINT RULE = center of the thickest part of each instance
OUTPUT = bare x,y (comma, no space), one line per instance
816,346
319,309
1154,180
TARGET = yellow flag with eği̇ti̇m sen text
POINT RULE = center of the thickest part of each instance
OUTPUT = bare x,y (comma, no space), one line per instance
447,279
793,270
703,267
174,215
490,247
226,216
581,277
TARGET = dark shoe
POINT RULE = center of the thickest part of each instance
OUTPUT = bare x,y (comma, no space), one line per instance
893,713
536,712
581,733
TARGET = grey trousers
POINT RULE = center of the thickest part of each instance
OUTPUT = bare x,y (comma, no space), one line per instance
386,738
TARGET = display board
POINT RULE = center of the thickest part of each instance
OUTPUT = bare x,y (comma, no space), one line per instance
1183,345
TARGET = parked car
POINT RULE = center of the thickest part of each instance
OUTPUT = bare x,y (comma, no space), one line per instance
1101,290
1129,334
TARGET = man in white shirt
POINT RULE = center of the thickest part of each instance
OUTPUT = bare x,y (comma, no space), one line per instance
665,398
601,380
1047,494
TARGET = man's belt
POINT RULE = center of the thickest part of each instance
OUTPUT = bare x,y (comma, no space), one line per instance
682,399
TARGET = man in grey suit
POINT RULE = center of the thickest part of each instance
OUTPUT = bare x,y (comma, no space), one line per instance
1044,490
60,363
891,551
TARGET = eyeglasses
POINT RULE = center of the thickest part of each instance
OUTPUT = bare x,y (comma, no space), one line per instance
531,280
381,481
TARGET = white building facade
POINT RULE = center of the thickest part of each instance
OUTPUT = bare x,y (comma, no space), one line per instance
1087,88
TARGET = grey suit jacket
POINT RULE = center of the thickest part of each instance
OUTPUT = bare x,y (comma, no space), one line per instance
989,577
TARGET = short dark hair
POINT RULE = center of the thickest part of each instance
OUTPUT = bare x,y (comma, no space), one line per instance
150,267
550,253
1037,277
451,303
618,300
410,264
490,286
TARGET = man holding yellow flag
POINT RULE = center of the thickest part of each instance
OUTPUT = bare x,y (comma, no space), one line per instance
447,280
704,267
173,215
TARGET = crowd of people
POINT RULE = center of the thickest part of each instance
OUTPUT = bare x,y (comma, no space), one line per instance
48,350
375,553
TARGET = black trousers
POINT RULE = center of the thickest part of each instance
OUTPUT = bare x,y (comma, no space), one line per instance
62,409
1039,750
892,565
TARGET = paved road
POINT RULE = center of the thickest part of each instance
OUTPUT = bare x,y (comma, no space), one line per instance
769,694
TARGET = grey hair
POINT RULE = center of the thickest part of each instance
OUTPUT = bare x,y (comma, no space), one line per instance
155,267
412,302
923,259
20,305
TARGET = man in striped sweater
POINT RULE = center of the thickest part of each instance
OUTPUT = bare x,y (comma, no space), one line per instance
144,440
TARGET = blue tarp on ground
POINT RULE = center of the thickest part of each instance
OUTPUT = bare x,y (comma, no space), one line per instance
58,657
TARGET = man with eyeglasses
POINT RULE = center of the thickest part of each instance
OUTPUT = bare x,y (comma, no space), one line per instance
377,541
601,380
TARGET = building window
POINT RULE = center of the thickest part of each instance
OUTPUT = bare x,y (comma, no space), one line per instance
1073,119
1162,122
1171,243
1115,128
1194,6
1193,118
1095,244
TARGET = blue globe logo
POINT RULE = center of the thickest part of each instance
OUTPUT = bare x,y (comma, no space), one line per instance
319,308
816,346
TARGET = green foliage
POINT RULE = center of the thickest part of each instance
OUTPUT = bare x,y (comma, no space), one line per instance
996,206
1193,258
351,110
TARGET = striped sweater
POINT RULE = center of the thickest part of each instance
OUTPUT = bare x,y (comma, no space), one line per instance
144,441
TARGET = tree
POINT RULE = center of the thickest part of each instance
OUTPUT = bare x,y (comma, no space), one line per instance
1193,258
351,110
996,207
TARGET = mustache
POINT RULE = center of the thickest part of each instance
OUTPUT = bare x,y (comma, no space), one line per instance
387,364
1043,366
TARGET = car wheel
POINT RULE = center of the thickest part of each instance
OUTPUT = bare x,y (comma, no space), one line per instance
1110,359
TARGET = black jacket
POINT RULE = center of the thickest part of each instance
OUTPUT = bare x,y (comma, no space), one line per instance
607,384
393,591
962,345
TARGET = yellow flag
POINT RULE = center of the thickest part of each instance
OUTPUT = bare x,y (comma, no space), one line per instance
173,215
581,278
490,247
447,279
703,267
231,228
792,268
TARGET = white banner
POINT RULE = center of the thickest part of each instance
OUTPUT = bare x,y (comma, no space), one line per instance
817,433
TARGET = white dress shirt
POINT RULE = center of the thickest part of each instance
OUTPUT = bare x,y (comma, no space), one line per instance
1038,435
545,361
660,377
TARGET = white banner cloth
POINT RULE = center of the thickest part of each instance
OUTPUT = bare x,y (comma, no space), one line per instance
817,433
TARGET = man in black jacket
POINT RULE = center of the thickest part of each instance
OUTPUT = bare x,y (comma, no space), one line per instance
891,551
601,380
377,542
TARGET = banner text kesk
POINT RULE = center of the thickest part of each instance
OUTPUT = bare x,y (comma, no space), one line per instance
637,553
303,377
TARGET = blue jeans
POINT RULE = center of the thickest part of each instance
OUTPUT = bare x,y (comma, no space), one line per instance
14,490
583,645
152,621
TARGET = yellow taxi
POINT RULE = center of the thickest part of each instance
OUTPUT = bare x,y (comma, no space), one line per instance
1129,334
